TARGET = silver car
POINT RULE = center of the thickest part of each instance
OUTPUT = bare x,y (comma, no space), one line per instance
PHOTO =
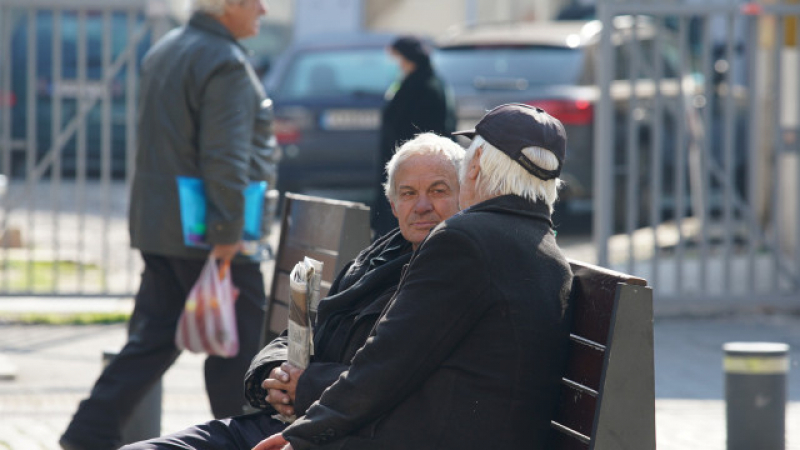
551,64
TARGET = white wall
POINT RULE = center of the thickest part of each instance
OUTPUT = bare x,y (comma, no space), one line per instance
433,17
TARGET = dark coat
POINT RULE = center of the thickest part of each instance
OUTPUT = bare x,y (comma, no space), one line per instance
344,320
468,354
202,113
422,103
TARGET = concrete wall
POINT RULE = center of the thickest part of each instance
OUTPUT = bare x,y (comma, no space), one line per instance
433,18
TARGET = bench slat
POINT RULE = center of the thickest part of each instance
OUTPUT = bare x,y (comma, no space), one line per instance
567,440
576,409
585,364
570,433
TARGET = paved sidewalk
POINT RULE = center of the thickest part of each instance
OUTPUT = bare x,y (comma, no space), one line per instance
58,364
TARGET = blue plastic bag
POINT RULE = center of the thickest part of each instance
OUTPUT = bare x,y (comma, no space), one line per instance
192,195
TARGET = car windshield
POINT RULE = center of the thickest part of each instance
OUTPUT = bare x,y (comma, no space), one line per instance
365,71
499,67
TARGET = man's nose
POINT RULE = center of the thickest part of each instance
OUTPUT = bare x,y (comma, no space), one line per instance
423,204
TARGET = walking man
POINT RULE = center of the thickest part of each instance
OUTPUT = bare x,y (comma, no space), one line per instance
202,113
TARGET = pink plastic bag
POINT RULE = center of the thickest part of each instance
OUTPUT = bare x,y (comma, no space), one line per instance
208,321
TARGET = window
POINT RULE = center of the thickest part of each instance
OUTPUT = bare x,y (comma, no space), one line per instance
500,67
337,73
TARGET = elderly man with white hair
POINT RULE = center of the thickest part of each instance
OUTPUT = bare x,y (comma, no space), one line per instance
469,351
422,188
203,114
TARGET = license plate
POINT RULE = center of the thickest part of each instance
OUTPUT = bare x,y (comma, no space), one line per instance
350,119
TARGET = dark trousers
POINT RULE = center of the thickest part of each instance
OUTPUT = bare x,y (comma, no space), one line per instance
236,433
151,350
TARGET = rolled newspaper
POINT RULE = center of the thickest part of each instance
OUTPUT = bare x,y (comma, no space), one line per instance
299,320
304,285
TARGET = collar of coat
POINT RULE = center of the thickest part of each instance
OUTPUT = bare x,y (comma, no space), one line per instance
207,23
513,204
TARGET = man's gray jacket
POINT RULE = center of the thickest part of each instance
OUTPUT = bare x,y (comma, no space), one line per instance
202,113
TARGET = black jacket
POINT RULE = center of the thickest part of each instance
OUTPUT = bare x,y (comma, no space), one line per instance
344,320
202,113
422,103
468,354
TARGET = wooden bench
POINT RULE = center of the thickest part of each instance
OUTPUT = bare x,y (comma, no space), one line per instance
331,231
607,399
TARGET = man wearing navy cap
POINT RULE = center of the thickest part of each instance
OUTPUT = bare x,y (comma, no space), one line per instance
469,351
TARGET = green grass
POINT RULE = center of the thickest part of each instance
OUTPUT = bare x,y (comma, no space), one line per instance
88,318
36,276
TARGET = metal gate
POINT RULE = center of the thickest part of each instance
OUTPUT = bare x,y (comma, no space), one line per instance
68,81
696,172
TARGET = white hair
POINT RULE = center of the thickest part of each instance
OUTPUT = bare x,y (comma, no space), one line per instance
500,175
422,144
216,7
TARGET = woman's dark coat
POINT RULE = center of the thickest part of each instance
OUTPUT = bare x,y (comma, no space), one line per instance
423,102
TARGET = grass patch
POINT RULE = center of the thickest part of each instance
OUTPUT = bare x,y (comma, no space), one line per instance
40,275
89,318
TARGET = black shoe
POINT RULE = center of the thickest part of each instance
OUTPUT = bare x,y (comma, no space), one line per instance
68,443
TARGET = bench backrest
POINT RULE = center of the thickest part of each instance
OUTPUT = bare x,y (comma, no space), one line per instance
607,398
331,231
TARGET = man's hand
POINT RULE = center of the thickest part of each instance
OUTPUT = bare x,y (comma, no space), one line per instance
226,252
281,387
274,442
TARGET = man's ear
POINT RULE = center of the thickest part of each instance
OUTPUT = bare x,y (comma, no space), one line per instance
474,167
394,212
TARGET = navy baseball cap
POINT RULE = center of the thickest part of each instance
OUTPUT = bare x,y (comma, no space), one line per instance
515,126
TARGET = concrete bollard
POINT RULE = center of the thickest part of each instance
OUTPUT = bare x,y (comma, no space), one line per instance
145,420
755,394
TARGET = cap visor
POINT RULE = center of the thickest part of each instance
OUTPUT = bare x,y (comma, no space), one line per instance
466,133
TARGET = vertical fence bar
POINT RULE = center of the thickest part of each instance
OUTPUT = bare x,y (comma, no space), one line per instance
632,146
105,159
32,138
704,160
657,146
603,174
753,235
795,284
680,148
130,127
777,153
80,158
5,132
727,156
55,167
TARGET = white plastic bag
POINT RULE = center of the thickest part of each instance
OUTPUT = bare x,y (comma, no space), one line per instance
208,321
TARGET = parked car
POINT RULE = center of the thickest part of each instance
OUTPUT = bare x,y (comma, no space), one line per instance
551,64
327,94
272,39
66,83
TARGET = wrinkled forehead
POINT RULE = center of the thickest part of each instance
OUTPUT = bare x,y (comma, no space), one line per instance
426,170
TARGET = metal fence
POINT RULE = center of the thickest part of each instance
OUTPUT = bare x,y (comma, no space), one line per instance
695,164
68,81
696,170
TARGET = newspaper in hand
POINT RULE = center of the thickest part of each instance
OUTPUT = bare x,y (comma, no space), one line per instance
314,297
304,284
